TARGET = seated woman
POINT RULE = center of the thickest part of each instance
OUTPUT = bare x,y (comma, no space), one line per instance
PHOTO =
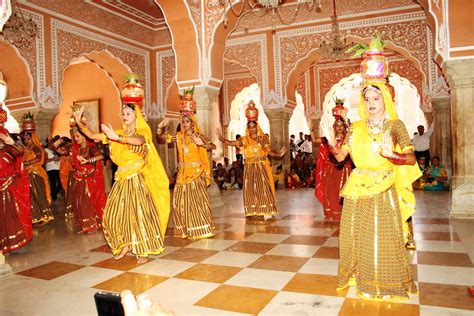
293,181
423,180
278,176
438,176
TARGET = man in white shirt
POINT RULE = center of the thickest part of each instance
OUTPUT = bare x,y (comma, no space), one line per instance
421,142
52,168
307,146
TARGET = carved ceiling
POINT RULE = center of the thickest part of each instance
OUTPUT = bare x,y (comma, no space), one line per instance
145,12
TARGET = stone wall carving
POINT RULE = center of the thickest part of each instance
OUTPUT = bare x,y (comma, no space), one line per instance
166,71
405,31
78,42
100,19
332,74
232,86
344,7
250,52
33,53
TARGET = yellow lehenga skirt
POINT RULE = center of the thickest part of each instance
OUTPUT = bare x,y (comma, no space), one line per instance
131,218
259,196
192,211
372,248
40,209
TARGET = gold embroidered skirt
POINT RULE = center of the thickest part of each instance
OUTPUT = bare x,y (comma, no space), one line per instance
372,248
40,208
131,218
259,198
191,210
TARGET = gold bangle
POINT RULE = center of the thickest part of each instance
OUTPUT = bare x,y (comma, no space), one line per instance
159,130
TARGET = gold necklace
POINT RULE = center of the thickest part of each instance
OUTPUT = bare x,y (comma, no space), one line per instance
375,134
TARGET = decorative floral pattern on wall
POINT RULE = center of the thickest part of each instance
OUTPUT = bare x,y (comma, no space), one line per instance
247,55
73,45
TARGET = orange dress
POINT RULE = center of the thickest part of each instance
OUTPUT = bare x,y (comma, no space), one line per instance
258,188
40,193
192,212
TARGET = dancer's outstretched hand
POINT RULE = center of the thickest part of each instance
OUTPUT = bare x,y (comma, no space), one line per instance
7,139
197,140
78,114
163,123
282,151
327,130
109,132
82,160
387,145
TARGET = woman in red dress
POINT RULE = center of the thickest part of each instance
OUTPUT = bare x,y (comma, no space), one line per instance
88,195
331,175
15,208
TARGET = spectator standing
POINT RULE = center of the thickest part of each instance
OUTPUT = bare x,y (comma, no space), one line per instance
421,142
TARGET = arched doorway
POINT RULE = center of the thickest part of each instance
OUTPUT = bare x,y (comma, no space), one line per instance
238,121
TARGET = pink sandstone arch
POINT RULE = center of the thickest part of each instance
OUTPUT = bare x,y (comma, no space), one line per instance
315,55
17,74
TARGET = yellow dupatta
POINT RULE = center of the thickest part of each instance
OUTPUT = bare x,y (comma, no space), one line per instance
193,171
153,171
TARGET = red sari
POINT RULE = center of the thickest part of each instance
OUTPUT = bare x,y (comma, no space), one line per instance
16,228
88,195
331,176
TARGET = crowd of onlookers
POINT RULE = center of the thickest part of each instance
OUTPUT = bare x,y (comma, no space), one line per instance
229,176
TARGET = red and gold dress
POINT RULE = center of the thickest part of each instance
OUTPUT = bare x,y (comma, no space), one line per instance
331,176
88,196
192,212
258,188
40,194
15,208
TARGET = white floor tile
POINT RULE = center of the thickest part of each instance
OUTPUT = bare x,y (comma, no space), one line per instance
288,303
232,259
293,250
320,266
262,279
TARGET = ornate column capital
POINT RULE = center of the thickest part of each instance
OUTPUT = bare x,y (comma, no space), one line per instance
460,73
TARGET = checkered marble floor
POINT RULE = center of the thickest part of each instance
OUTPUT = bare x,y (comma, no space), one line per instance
285,266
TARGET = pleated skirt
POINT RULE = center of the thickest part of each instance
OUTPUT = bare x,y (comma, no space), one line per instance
85,215
12,235
131,218
68,195
40,209
372,249
259,198
192,212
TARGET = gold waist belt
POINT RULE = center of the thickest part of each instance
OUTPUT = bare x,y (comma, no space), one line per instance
135,165
190,164
254,159
372,173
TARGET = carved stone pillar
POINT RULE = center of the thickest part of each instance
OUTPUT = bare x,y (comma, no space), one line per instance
279,120
207,115
461,81
43,120
315,137
5,269
441,139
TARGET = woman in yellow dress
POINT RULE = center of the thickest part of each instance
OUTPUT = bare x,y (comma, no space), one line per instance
258,188
378,196
138,205
192,212
40,194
